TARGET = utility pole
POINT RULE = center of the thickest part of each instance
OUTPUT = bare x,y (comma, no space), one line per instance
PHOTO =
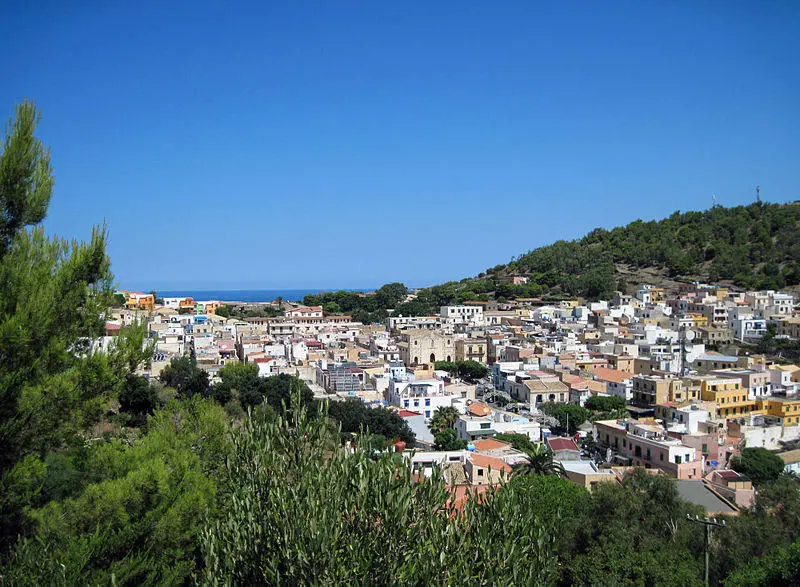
707,523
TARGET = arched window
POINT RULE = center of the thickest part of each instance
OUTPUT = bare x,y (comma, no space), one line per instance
433,357
448,358
416,360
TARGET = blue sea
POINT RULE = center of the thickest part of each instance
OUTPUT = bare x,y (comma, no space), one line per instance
245,295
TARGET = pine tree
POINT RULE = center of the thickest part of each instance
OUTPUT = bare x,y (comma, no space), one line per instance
54,296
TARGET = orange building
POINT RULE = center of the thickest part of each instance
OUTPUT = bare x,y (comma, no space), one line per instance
140,301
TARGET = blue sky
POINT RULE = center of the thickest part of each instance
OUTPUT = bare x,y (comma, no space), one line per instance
348,144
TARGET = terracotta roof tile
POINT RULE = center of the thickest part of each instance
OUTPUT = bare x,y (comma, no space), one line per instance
491,444
492,463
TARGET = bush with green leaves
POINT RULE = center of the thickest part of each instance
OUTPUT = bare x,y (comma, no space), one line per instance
467,370
355,417
138,509
605,403
301,510
636,533
186,377
757,463
569,416
781,567
448,439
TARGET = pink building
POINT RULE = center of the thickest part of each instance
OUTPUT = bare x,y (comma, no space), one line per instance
648,445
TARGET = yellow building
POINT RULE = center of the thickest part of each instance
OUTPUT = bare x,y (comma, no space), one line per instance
657,295
729,395
698,320
651,390
590,336
782,407
471,349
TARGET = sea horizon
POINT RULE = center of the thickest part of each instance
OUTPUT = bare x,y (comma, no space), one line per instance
249,295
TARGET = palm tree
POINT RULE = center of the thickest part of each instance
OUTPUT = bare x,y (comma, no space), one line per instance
540,462
442,419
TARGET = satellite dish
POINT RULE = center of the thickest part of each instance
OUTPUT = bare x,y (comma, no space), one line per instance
689,334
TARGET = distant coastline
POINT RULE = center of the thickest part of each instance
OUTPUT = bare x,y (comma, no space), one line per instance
246,295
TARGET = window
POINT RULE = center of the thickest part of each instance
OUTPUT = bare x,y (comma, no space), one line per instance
678,459
405,403
485,425
705,449
480,472
427,401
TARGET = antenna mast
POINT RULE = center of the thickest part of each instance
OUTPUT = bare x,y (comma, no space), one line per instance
758,194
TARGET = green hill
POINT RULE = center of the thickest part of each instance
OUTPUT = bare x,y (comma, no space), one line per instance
755,246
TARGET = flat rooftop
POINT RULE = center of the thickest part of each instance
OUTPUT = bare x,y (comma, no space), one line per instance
696,492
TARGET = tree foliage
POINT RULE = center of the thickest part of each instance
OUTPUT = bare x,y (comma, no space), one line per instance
327,516
139,398
355,417
186,377
755,246
781,567
467,370
136,509
370,308
758,464
520,442
448,439
442,419
539,461
569,416
635,533
55,295
605,403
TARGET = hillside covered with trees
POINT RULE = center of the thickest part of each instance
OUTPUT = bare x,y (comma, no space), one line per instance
755,246
751,247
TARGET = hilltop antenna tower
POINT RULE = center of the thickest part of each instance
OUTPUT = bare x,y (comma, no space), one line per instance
713,200
758,194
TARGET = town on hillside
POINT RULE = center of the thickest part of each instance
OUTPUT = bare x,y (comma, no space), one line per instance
670,381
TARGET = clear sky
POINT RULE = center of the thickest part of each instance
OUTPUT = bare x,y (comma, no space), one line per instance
348,144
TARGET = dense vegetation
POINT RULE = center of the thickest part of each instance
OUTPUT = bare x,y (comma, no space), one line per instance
108,478
467,370
753,247
242,311
372,307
